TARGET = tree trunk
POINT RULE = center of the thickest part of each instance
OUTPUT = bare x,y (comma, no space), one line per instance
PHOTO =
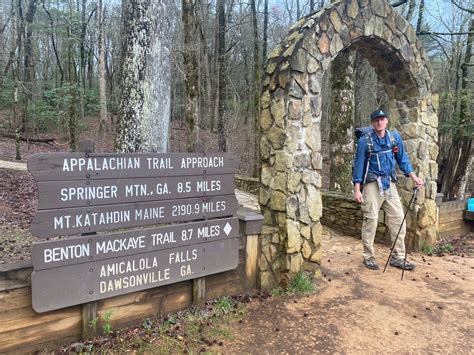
145,77
265,31
16,40
342,120
53,43
72,88
460,152
206,85
221,78
256,90
421,9
411,9
191,47
102,82
81,82
28,63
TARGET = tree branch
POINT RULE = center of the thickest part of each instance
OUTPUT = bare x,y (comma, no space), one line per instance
399,3
439,43
429,33
462,8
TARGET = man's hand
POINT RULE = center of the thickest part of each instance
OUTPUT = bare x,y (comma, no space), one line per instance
358,197
419,182
357,194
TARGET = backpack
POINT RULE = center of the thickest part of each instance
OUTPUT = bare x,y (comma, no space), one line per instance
366,132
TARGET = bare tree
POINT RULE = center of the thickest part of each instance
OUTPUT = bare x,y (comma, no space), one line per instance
454,172
221,69
101,71
411,10
421,10
265,31
190,54
28,62
256,88
145,77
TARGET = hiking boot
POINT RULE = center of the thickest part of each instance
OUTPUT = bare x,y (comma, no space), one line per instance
371,264
401,264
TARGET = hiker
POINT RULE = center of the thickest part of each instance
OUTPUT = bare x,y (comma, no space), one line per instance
374,178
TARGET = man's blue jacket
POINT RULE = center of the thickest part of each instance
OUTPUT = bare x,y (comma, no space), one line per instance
382,160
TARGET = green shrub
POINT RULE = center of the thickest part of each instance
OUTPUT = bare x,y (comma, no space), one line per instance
301,283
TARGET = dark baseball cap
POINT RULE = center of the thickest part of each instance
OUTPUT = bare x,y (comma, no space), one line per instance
377,114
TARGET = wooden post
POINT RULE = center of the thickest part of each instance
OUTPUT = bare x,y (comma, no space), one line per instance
199,291
251,222
89,310
251,258
89,320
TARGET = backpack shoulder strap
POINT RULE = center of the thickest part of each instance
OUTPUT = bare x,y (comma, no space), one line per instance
393,141
370,143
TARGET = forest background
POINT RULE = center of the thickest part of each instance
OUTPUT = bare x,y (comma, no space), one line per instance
166,75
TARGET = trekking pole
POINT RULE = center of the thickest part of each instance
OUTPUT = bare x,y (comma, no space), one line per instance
406,252
413,198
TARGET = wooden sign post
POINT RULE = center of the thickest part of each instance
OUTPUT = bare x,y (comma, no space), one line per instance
83,193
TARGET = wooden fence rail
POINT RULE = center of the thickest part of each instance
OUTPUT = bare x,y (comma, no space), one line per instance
23,330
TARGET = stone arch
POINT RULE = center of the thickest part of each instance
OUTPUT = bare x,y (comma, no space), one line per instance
290,147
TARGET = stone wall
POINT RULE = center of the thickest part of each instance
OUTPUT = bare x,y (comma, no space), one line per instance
247,184
343,214
290,120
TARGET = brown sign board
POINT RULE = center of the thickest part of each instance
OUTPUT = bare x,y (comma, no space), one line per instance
79,166
61,222
84,193
84,249
76,284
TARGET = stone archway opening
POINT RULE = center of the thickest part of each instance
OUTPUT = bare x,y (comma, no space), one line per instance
291,118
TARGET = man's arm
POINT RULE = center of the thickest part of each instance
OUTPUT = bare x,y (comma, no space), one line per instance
358,171
403,162
357,193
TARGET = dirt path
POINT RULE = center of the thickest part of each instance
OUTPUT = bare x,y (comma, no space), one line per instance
359,311
4,164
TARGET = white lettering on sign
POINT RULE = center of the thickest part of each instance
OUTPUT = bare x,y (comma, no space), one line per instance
186,270
123,267
202,162
91,219
125,282
163,238
162,189
207,232
88,193
183,256
61,222
136,190
144,214
211,206
65,253
207,186
185,210
183,187
118,245
97,219
95,164
159,163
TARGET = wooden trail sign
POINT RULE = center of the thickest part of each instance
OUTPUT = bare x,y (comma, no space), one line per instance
91,192
87,192
85,249
79,166
75,284
72,221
